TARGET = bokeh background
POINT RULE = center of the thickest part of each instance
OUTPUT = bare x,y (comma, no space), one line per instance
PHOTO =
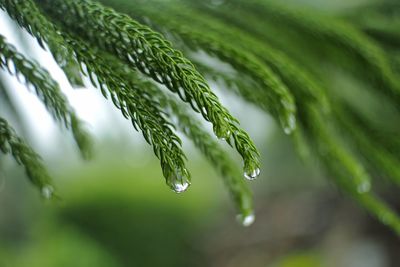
116,210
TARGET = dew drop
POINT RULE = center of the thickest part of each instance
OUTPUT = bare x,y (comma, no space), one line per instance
47,191
252,175
290,125
179,182
222,133
364,187
226,136
246,220
180,186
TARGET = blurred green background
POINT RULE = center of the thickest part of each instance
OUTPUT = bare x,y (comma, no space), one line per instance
116,210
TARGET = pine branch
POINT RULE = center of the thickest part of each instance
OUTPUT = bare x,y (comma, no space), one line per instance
381,21
343,35
146,50
372,151
48,91
255,37
138,45
243,86
333,153
300,83
234,182
359,178
29,17
24,155
191,127
139,108
277,97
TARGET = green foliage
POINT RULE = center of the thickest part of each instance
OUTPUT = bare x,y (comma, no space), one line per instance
327,30
10,143
283,60
140,109
47,90
192,128
275,96
215,154
28,16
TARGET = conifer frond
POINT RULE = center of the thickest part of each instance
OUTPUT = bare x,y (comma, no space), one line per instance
211,150
48,91
11,143
330,31
344,167
320,32
154,97
301,84
278,57
277,97
29,17
297,80
381,21
143,112
384,139
231,175
192,129
143,48
372,150
243,86
311,98
332,151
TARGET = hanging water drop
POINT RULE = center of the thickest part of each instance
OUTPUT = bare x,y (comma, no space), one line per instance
47,191
246,220
222,132
252,175
180,186
226,136
290,125
179,182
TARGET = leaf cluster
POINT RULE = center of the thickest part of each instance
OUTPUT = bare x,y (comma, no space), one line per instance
283,59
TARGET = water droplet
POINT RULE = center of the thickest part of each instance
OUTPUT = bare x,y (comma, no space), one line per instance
222,132
364,187
226,136
246,220
252,175
290,125
180,186
47,191
179,182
